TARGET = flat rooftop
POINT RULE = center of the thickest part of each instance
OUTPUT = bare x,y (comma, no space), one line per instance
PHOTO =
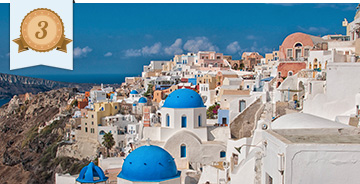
318,136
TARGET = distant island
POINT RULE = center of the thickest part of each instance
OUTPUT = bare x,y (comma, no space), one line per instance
11,85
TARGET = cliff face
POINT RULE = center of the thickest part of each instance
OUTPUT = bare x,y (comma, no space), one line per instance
28,147
11,85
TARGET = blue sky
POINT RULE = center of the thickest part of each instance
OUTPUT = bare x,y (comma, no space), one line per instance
121,38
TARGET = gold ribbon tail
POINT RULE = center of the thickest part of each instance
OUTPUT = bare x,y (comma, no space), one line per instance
22,44
62,44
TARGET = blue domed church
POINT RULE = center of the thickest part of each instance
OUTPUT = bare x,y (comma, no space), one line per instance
184,131
149,164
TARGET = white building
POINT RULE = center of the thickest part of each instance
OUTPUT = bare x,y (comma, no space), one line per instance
296,148
337,97
119,126
184,132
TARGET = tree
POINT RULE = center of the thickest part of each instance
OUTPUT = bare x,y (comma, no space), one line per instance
149,91
212,111
242,66
108,142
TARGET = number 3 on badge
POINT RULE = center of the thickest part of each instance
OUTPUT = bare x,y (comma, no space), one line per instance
42,30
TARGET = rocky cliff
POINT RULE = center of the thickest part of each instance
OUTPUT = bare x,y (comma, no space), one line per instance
31,133
11,85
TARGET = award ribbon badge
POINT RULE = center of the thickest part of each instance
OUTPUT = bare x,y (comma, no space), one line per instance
42,30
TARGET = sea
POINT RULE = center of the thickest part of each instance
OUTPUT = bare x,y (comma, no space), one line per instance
88,78
4,101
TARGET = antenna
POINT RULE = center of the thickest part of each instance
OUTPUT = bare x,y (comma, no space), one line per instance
148,141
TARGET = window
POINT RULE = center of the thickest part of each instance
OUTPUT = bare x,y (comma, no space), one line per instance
85,129
298,45
306,52
290,73
222,154
242,105
224,120
183,151
235,158
92,123
92,116
183,121
102,132
167,120
289,53
298,53
199,121
115,107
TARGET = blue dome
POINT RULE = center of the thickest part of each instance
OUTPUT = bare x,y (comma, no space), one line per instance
89,172
149,164
184,98
142,100
134,92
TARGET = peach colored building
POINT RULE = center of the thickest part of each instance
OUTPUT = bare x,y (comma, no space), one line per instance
297,46
290,68
235,64
212,60
161,94
251,59
286,69
83,103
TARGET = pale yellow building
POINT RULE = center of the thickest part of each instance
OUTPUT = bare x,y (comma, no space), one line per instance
207,79
274,56
89,124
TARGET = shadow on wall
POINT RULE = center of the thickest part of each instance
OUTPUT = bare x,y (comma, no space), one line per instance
242,125
190,180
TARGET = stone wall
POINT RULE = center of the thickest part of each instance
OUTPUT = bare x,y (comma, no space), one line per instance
243,125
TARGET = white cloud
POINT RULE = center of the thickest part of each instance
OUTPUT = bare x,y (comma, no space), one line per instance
200,44
108,54
256,48
340,6
133,52
192,45
313,29
155,49
145,51
81,52
175,48
233,48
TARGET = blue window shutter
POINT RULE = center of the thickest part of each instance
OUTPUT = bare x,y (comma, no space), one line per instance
199,121
183,122
167,120
183,151
222,154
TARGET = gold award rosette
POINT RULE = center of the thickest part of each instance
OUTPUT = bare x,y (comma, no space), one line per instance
42,30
